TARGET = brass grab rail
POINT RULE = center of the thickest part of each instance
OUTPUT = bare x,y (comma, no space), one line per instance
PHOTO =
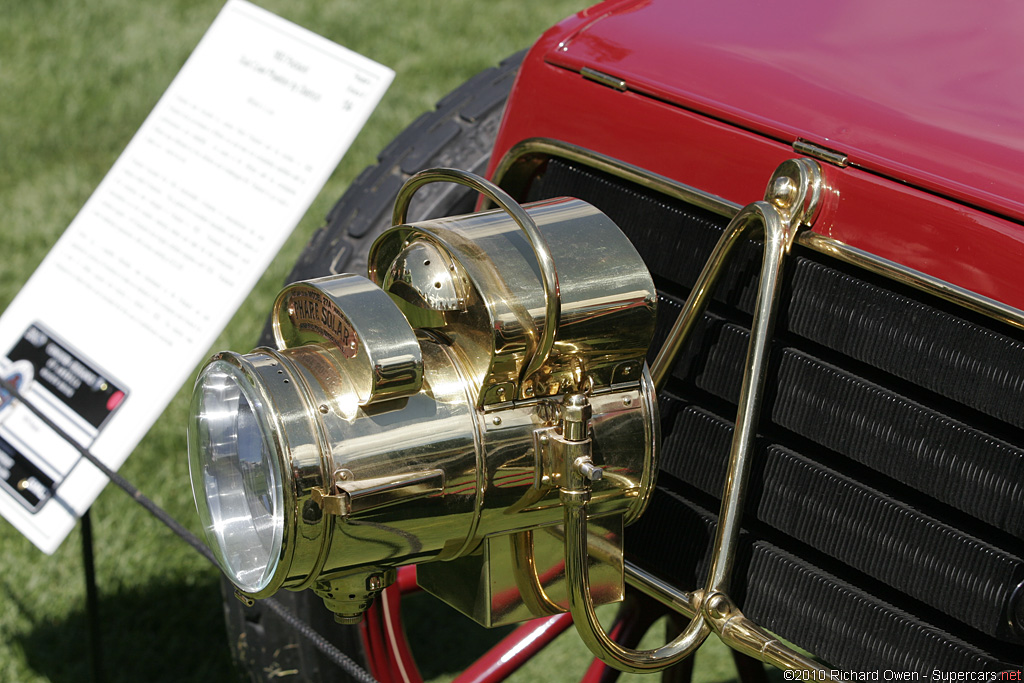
791,202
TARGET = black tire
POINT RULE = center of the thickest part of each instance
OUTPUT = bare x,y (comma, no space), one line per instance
459,133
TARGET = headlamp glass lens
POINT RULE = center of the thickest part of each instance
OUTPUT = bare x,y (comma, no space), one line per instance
235,477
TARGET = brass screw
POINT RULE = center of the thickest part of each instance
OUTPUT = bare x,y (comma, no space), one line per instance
589,470
784,191
717,606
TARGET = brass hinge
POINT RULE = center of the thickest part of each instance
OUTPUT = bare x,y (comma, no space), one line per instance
603,78
815,151
352,496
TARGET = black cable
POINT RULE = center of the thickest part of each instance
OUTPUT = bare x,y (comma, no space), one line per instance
325,646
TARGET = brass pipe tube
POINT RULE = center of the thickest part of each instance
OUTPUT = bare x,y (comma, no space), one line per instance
584,616
696,302
735,629
776,241
528,577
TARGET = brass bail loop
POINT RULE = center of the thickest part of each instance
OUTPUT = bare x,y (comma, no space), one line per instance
549,275
792,201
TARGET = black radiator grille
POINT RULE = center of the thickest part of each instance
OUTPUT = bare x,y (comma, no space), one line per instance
885,523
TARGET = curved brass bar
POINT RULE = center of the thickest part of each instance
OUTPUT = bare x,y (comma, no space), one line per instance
549,276
735,629
793,198
777,238
794,192
575,498
697,301
581,605
524,567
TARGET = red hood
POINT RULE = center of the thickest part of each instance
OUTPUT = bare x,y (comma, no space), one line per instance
930,92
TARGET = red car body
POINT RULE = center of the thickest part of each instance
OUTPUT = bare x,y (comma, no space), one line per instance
915,111
924,100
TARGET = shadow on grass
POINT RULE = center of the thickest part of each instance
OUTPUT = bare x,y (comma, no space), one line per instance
446,643
176,632
171,632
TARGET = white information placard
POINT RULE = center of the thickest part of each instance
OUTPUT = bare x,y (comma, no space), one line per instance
136,290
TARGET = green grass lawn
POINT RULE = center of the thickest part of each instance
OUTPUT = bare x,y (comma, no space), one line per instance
76,81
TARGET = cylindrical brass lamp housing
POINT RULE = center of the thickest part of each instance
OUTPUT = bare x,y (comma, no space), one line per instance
606,299
417,417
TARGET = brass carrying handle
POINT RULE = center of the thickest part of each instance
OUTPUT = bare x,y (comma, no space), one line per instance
548,273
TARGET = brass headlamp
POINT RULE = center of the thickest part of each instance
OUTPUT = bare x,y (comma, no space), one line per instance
438,412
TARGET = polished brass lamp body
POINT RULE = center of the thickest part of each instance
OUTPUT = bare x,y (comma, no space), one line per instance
435,411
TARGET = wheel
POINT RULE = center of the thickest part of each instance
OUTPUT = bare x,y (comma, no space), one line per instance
459,133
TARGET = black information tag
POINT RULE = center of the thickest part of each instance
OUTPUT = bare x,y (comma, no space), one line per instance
72,380
22,478
71,392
